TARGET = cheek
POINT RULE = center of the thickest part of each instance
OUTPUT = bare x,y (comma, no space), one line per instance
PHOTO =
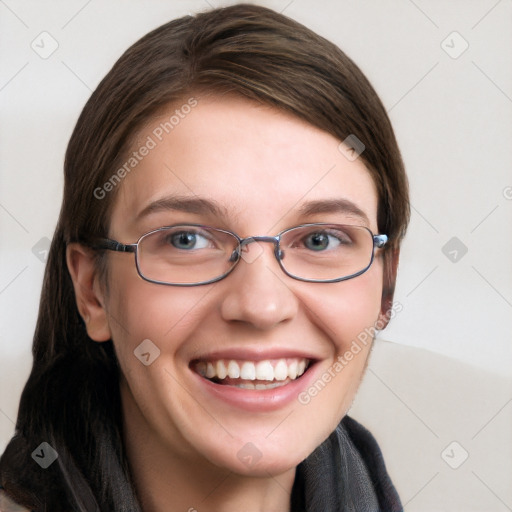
347,313
348,308
140,311
150,325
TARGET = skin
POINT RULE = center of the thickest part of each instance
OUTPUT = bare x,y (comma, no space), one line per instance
261,165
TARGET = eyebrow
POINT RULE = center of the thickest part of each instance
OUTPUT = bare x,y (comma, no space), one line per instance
334,206
184,204
203,206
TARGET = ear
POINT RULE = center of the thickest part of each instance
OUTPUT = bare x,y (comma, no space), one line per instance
390,264
88,291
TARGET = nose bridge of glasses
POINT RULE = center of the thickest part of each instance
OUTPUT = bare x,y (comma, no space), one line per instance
269,239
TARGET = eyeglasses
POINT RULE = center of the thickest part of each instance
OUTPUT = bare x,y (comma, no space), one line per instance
193,254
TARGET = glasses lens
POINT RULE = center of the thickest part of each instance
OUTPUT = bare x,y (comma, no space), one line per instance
186,254
324,252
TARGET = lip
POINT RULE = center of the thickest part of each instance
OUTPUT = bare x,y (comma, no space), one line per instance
257,400
250,354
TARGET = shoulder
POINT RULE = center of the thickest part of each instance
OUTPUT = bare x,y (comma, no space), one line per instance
7,505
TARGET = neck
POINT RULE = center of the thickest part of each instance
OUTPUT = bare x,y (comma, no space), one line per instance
188,482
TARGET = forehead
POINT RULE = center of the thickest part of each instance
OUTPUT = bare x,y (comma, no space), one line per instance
260,167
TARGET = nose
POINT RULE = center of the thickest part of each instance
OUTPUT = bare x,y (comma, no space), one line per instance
256,291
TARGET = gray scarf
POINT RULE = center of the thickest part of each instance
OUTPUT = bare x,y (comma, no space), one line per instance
346,473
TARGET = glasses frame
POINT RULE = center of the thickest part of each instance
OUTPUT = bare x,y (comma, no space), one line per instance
379,241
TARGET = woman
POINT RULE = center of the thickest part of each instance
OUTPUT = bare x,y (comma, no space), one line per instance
252,171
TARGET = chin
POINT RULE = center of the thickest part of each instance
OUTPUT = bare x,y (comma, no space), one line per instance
262,455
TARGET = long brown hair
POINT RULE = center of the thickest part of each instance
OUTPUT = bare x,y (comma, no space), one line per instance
71,399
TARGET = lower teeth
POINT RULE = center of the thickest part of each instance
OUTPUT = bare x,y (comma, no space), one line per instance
249,385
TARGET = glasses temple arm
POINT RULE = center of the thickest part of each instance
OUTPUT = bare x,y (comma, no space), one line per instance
113,245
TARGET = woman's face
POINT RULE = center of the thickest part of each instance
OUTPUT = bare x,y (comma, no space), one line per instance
232,164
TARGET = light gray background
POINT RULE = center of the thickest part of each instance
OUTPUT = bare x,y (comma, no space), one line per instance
445,374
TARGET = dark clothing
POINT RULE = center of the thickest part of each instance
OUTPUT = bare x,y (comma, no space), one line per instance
346,473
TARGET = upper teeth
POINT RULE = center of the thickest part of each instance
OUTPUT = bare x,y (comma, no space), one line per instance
269,370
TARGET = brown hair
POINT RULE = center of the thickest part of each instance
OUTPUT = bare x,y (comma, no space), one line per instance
71,399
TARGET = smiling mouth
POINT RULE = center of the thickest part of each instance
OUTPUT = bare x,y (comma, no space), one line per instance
256,375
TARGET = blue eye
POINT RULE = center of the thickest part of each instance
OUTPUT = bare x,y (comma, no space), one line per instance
187,240
321,241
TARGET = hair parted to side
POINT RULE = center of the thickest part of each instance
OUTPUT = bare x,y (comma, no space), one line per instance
71,399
